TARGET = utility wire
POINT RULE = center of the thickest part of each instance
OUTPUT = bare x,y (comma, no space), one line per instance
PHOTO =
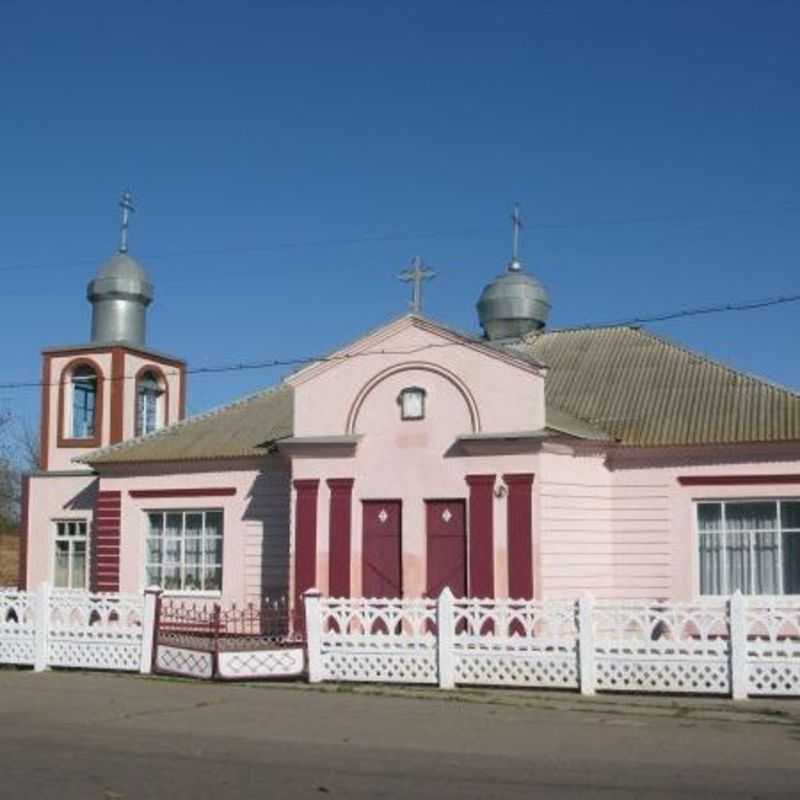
393,237
747,305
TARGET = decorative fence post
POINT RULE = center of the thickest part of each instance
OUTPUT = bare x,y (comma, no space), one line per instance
586,644
737,611
312,600
41,633
446,628
149,629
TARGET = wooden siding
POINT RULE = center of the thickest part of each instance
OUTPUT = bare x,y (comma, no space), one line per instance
266,538
612,540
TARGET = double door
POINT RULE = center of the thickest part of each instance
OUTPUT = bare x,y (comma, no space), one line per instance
446,548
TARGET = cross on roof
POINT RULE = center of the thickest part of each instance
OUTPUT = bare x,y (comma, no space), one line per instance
516,222
416,274
126,204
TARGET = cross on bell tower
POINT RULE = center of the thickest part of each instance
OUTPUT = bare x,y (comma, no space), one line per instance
126,204
415,275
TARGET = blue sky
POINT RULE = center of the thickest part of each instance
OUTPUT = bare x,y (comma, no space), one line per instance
288,159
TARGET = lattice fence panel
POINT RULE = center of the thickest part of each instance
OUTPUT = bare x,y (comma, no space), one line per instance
17,613
515,643
392,666
675,647
773,646
95,631
384,641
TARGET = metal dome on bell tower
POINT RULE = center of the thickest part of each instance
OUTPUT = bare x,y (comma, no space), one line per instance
514,303
120,293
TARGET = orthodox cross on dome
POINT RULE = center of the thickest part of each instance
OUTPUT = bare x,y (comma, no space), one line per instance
415,275
126,204
516,223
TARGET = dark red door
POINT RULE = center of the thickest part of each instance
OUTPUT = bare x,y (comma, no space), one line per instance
447,547
381,549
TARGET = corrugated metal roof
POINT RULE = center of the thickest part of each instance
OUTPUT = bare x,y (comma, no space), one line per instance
619,383
243,428
647,391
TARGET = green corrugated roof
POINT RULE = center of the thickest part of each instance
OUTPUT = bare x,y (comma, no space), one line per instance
647,391
617,383
239,429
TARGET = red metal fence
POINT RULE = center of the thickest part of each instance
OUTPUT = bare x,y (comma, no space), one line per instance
191,635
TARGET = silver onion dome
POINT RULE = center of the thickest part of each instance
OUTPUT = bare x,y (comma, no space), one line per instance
514,303
120,294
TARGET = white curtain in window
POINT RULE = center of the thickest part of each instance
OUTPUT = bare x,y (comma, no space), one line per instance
740,548
709,521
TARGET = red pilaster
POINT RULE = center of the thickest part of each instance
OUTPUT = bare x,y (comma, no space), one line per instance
305,537
22,565
105,544
520,536
340,517
481,536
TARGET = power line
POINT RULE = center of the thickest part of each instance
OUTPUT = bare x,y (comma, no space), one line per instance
245,366
393,237
746,305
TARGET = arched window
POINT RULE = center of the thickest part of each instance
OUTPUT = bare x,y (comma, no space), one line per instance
149,403
84,402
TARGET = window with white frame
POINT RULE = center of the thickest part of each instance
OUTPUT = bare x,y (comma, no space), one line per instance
149,404
69,570
184,550
84,402
752,546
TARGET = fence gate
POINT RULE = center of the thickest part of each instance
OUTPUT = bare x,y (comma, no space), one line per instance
199,640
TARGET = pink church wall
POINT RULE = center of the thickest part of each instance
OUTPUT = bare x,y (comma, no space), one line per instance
255,521
650,478
490,381
53,498
413,461
609,520
614,522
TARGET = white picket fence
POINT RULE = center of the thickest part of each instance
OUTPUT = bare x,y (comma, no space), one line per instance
64,628
730,646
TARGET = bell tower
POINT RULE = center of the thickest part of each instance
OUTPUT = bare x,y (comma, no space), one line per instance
114,387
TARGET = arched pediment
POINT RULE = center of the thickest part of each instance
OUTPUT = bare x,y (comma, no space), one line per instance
449,376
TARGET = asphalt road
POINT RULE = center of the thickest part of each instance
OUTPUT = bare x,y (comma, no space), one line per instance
69,735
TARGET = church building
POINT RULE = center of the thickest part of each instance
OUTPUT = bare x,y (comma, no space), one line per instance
521,461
